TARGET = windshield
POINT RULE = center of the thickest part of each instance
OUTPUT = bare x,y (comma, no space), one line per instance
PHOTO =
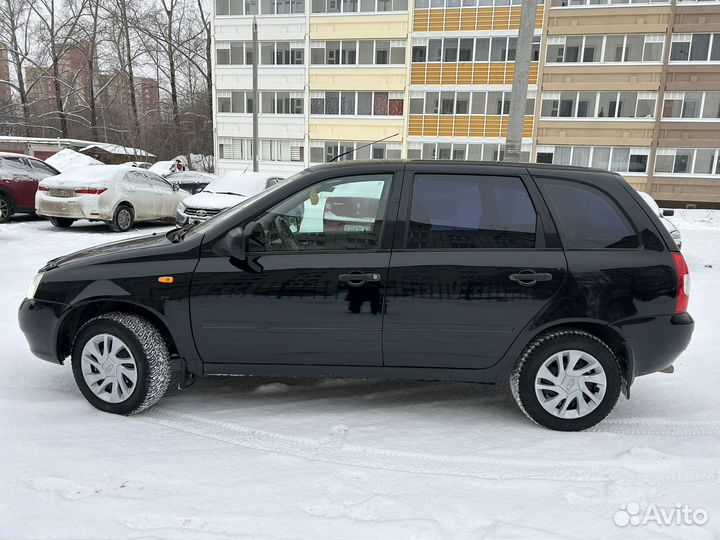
227,215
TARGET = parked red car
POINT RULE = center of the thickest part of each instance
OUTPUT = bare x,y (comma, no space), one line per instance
19,177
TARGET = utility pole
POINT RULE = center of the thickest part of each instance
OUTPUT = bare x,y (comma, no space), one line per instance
518,97
255,94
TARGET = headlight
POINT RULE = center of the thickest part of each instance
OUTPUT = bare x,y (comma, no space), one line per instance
34,285
181,207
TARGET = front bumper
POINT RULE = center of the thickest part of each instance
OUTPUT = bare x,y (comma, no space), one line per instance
182,219
40,322
655,342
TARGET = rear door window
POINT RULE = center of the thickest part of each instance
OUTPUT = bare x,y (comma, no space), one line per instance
587,217
470,212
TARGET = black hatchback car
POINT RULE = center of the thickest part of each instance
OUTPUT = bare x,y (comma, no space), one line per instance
560,280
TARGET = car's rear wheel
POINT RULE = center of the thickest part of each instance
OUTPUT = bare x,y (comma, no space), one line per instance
124,218
121,363
61,223
6,208
567,380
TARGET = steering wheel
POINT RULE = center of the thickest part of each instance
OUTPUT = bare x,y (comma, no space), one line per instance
285,233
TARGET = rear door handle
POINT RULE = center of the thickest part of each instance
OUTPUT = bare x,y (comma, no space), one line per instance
356,279
529,278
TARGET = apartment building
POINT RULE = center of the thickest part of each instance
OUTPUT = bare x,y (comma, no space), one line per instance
630,86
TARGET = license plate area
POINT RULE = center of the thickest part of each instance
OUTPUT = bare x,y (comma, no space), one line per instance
62,193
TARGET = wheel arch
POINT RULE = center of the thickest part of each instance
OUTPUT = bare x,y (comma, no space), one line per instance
80,314
9,196
601,330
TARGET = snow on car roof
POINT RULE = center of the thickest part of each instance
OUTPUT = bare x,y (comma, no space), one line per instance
240,183
94,174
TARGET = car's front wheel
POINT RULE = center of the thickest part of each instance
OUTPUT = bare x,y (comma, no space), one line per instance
61,223
121,363
123,219
567,380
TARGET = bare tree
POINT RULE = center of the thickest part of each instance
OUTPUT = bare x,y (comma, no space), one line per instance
14,21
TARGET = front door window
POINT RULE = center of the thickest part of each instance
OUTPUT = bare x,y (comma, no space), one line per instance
340,214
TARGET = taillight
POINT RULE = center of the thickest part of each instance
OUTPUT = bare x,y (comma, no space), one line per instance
683,283
90,191
43,188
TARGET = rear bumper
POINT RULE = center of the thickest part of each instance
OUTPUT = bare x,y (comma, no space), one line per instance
40,321
83,207
655,342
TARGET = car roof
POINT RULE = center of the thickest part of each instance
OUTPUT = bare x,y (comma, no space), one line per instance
460,163
15,154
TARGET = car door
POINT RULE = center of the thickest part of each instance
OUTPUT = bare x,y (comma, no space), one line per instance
166,199
471,266
140,193
20,182
311,289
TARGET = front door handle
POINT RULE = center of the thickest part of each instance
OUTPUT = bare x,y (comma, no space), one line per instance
528,278
356,279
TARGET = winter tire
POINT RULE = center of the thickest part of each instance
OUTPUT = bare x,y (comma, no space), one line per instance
121,363
566,380
6,208
123,219
61,223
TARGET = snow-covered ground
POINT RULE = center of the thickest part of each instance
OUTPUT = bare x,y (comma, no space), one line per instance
281,458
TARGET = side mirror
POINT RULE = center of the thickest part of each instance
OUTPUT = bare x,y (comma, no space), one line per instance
232,245
668,213
175,187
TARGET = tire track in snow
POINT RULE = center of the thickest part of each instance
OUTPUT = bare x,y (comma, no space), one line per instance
332,449
664,428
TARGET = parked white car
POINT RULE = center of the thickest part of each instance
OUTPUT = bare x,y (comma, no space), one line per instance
663,215
228,190
116,194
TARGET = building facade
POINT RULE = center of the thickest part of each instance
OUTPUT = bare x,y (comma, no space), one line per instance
629,86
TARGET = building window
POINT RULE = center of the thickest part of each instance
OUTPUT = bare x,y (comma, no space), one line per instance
695,48
240,101
579,3
692,105
267,7
355,6
364,52
357,103
270,149
639,105
501,49
618,159
326,151
685,161
240,53
617,48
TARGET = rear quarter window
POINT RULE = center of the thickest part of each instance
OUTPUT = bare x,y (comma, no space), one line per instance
587,217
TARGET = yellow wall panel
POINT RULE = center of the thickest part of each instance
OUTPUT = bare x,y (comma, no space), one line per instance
497,73
501,18
432,74
481,73
468,19
449,74
430,126
485,19
509,73
358,27
437,20
492,126
445,128
528,126
420,21
357,78
355,129
417,74
477,126
452,20
415,124
465,74
462,126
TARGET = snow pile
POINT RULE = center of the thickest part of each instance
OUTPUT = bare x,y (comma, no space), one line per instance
67,159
